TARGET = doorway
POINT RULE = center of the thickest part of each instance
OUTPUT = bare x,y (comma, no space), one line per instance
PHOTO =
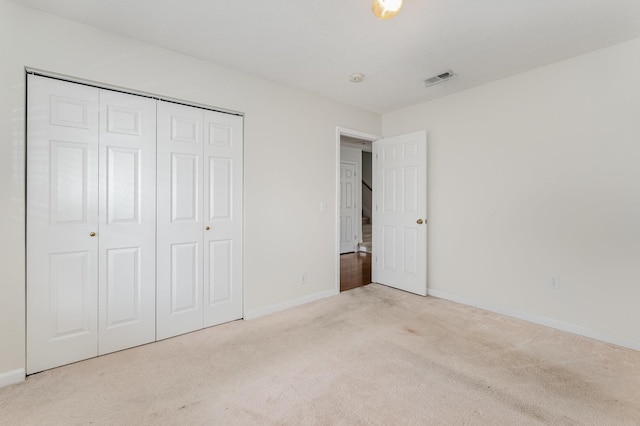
354,195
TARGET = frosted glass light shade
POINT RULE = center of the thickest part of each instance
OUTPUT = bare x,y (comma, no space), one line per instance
385,9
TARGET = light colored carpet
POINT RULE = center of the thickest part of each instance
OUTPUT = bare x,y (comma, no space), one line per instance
372,355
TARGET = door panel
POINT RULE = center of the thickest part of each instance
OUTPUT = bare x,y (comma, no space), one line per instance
410,196
221,187
410,249
187,128
185,182
185,273
223,151
62,212
121,119
389,244
123,287
127,221
180,219
220,272
69,188
399,202
124,195
70,112
389,188
69,288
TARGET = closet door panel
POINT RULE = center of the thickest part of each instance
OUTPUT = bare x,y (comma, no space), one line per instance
127,246
180,220
185,272
62,212
223,152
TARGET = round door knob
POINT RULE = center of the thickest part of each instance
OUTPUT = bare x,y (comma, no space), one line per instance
92,234
419,222
207,228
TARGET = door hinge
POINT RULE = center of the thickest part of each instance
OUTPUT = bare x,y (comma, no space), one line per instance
376,259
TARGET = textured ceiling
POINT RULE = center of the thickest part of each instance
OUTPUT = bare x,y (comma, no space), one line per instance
316,45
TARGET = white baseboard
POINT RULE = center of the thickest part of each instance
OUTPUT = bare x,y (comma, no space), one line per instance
289,304
12,377
548,322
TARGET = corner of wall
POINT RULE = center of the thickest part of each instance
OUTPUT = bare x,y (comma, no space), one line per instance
12,377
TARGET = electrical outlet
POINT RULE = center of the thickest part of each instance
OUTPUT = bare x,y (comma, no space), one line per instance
554,282
303,278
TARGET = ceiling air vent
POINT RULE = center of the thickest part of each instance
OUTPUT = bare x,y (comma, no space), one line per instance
439,78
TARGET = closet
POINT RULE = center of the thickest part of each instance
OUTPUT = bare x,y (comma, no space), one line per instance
134,220
199,219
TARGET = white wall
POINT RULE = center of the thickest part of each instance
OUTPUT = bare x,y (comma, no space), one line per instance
289,148
534,176
350,154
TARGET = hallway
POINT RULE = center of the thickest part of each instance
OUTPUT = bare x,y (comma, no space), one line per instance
355,270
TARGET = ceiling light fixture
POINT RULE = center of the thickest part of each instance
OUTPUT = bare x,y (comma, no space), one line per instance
356,78
386,9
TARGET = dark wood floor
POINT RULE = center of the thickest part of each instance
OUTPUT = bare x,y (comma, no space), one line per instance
355,270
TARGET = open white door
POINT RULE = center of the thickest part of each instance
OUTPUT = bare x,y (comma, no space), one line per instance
348,231
399,213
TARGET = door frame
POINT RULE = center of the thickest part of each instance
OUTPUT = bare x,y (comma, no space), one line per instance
342,131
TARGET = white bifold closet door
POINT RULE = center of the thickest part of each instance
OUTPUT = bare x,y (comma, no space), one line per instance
127,228
199,218
90,222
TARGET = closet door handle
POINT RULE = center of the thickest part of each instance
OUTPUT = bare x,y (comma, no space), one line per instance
207,228
92,234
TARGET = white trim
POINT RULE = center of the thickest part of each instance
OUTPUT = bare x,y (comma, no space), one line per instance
289,304
364,148
336,266
99,85
12,377
537,319
356,134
